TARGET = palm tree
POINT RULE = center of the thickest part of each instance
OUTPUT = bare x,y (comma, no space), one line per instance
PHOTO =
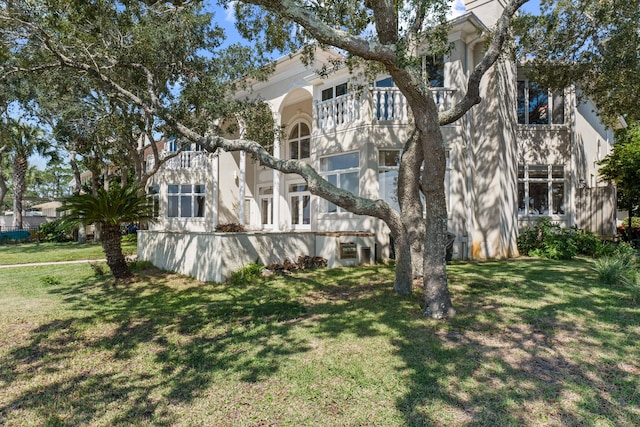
109,209
23,141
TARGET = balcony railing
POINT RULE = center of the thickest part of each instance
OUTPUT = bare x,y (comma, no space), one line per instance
196,160
386,104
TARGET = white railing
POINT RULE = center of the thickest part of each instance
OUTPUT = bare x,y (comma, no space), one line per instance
337,111
387,104
184,160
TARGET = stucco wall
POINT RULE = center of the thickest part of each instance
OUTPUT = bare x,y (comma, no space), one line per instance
213,256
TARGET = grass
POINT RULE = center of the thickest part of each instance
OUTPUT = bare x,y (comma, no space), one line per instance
25,253
534,343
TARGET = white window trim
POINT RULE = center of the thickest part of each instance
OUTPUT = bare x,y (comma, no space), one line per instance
549,180
550,99
193,195
325,174
298,195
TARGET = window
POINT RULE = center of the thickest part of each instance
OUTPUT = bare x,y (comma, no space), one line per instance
541,190
265,199
388,166
153,193
185,201
538,106
299,141
343,171
334,92
434,69
300,199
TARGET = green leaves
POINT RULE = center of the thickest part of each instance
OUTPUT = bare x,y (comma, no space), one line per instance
593,44
108,207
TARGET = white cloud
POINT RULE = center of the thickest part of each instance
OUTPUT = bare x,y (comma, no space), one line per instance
457,8
229,8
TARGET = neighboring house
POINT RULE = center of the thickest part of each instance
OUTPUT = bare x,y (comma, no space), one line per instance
522,154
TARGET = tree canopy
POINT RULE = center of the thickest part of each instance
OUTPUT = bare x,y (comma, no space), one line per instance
594,44
623,167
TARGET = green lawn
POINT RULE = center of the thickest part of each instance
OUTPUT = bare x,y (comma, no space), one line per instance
24,253
534,343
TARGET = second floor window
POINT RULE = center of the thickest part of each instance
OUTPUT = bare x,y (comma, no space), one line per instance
539,106
299,141
434,69
334,92
343,171
185,201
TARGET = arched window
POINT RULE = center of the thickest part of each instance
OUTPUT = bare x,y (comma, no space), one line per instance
299,141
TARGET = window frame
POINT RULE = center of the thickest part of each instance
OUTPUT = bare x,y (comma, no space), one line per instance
299,140
297,198
197,199
523,102
328,207
551,180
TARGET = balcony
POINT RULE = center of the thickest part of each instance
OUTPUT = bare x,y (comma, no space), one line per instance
195,160
383,104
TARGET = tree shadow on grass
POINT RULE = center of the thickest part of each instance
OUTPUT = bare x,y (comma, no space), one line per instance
514,353
194,334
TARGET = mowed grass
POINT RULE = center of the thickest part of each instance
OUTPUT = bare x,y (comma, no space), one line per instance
534,343
26,253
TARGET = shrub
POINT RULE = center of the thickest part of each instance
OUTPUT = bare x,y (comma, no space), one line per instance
615,270
130,238
54,231
247,274
548,240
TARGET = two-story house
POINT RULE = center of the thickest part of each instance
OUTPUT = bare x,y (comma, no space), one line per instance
522,154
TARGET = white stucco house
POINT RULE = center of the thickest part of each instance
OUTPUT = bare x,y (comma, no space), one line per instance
522,154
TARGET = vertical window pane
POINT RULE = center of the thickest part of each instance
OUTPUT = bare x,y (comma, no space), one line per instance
341,89
538,105
557,191
199,206
327,94
172,206
388,181
521,198
350,182
305,149
185,206
264,209
557,172
538,198
522,103
306,209
293,149
434,68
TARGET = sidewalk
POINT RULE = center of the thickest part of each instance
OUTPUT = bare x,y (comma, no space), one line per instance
36,264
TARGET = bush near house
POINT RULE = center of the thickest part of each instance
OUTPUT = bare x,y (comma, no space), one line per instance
548,240
54,231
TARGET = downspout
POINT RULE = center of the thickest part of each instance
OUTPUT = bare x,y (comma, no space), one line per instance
469,178
241,186
276,175
572,161
215,190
